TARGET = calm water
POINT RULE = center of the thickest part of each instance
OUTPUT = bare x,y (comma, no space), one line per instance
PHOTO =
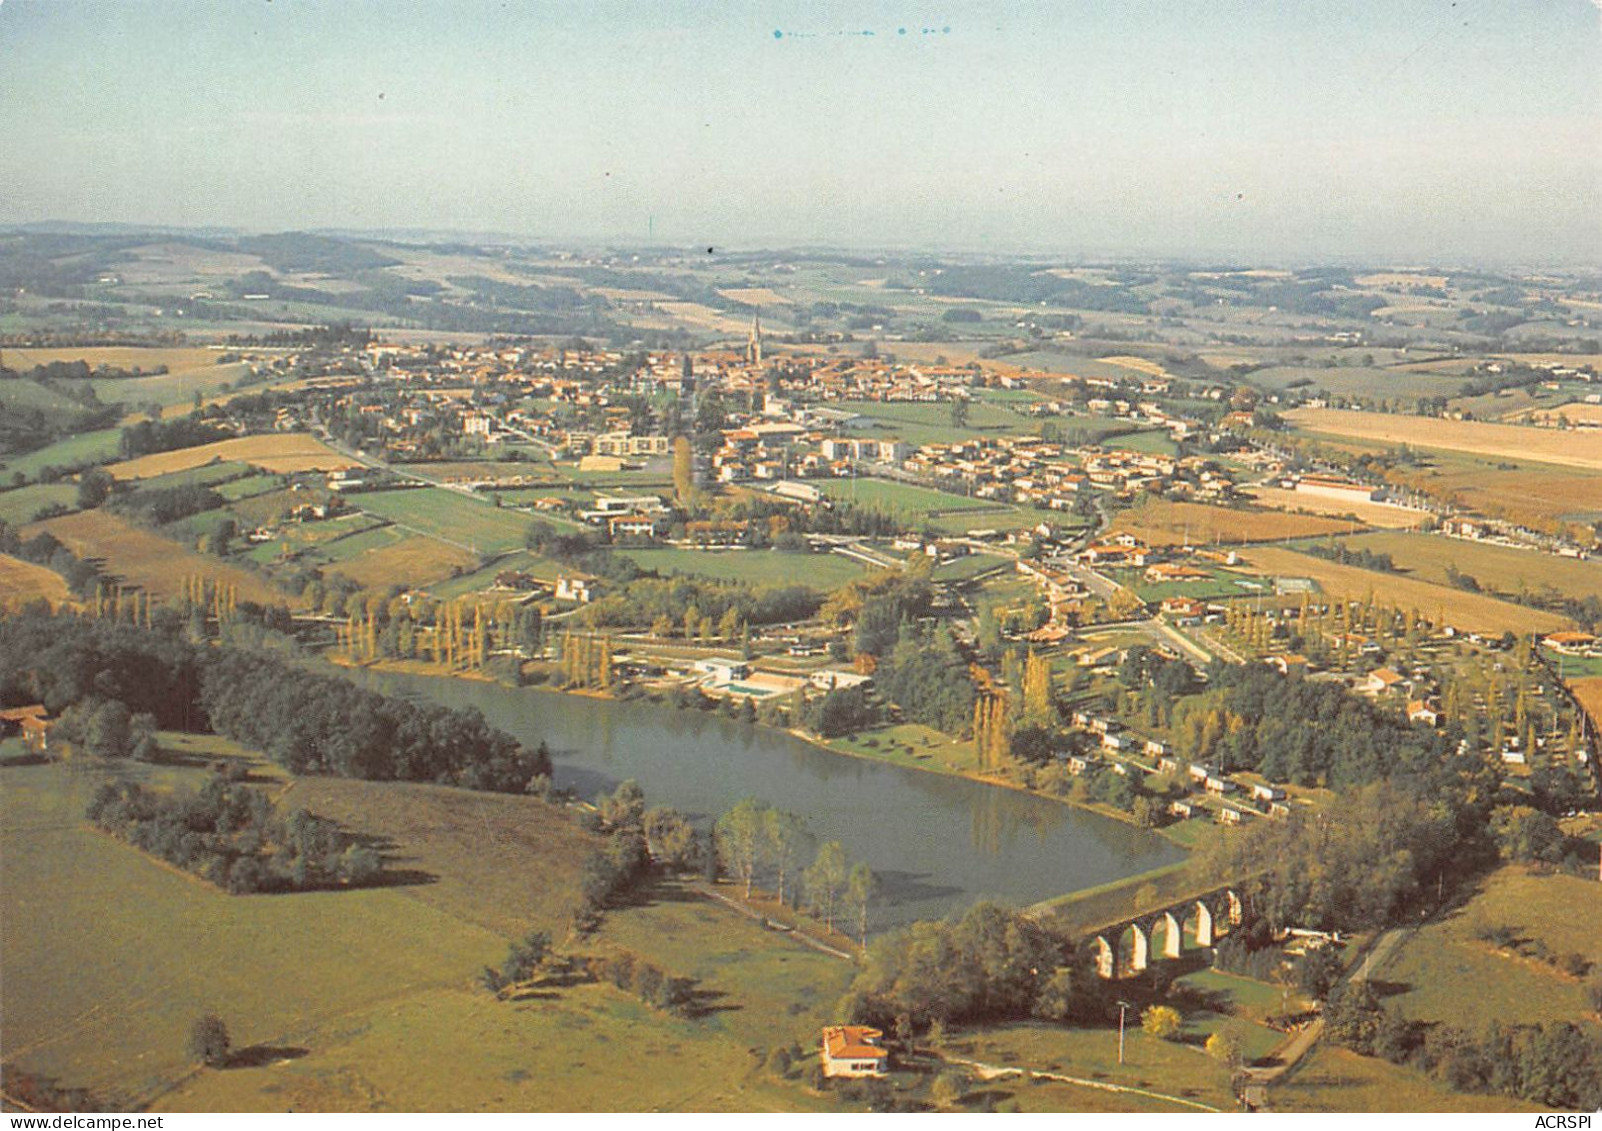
938,843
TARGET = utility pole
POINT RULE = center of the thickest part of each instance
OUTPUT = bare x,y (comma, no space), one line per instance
1123,1007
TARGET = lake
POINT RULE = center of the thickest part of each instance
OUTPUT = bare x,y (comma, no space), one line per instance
938,843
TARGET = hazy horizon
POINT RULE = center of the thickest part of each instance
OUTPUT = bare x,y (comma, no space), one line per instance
1404,132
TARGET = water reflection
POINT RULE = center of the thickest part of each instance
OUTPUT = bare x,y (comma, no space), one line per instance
907,824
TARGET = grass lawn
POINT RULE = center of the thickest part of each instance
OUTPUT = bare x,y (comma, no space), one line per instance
910,744
19,506
993,517
448,515
1156,442
754,567
1168,1067
1434,966
1221,584
776,990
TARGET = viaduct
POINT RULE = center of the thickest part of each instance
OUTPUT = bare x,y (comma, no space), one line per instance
1205,918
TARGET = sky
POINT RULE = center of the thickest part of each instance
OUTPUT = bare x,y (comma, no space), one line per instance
1395,131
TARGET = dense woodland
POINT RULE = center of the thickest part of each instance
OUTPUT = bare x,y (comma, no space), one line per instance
992,964
306,722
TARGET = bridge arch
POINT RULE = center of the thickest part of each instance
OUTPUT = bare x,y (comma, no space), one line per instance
1203,916
1166,927
1133,949
1106,958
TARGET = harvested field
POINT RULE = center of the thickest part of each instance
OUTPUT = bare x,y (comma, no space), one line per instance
1427,556
1138,364
417,560
1468,612
1372,514
1543,445
1171,524
704,317
278,452
140,558
1573,412
24,581
145,359
1589,692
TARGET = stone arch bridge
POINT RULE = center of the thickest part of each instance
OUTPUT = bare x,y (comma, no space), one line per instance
1130,945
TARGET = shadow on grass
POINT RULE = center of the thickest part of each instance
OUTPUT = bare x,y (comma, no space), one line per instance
259,1056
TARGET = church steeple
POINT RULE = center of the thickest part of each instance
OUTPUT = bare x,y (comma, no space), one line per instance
753,343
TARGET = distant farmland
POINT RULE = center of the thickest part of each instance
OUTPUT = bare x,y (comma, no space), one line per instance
1589,692
899,498
1172,524
1544,445
1372,514
24,581
754,567
150,562
417,560
143,358
1496,567
277,452
1469,612
470,523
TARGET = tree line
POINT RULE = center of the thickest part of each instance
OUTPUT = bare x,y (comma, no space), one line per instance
1556,1063
150,436
308,723
758,845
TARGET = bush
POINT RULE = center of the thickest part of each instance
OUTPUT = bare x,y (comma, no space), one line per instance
1225,1047
208,1040
1161,1021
